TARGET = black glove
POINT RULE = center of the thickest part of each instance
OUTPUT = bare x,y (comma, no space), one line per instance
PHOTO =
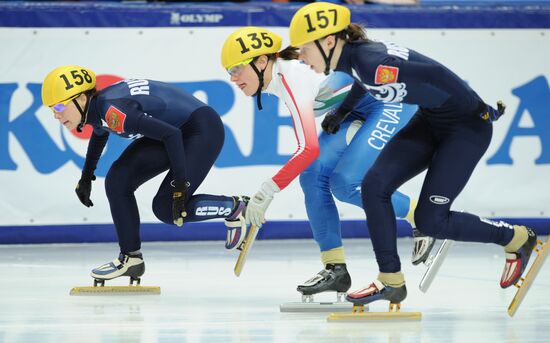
84,189
332,121
178,201
490,114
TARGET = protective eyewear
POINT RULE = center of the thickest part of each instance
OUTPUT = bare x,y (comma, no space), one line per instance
236,69
63,105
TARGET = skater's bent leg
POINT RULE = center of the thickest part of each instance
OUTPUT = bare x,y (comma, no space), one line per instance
365,143
141,161
203,137
320,207
405,156
447,175
323,217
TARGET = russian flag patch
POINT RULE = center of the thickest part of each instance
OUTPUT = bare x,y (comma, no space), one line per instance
115,119
386,74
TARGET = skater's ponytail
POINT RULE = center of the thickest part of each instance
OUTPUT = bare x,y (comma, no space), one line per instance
353,33
288,53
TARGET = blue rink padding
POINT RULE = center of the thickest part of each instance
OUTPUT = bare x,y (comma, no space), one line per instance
429,14
205,231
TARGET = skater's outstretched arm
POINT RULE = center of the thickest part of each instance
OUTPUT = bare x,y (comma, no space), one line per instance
97,143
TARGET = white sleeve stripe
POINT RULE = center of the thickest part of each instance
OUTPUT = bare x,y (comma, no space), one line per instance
298,125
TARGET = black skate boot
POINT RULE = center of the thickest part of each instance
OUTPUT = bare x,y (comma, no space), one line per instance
125,265
334,277
378,291
422,247
516,262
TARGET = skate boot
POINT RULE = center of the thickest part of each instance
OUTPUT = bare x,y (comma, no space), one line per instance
236,225
517,261
422,247
334,277
125,265
377,290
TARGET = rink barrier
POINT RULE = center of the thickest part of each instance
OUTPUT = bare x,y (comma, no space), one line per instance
204,231
431,14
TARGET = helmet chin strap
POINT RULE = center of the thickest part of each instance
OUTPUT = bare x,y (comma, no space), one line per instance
83,112
260,74
325,57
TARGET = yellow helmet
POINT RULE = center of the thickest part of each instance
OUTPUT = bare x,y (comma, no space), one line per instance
66,82
249,42
318,20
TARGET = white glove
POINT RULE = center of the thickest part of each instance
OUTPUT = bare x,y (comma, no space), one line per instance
258,204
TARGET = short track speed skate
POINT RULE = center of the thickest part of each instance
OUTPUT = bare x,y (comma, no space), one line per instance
245,249
374,292
423,245
334,278
524,283
125,265
239,235
434,262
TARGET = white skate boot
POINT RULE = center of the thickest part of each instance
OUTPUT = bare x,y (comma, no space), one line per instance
125,265
239,235
422,247
236,225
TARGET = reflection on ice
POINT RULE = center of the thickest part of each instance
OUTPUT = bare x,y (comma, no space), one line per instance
202,301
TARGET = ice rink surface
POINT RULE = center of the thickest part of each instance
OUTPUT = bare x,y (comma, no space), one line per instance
202,301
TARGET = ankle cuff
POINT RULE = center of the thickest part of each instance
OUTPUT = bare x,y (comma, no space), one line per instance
333,256
520,237
392,279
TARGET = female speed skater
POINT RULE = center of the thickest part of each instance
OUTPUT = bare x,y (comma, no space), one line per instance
329,165
447,136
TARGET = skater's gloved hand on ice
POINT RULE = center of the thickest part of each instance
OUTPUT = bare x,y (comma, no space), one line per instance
84,189
258,204
178,201
332,121
491,114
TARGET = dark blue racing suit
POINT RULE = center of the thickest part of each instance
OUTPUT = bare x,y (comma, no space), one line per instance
446,136
172,130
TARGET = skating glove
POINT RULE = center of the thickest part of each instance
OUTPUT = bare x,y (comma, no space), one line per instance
84,189
332,121
258,204
490,115
178,201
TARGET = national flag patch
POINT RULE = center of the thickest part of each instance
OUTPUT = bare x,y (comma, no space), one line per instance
115,119
386,74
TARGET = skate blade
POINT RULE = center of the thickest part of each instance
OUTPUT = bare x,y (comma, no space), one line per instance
542,253
247,245
115,290
434,263
316,307
374,316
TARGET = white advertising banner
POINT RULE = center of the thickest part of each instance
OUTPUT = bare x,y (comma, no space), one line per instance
40,161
